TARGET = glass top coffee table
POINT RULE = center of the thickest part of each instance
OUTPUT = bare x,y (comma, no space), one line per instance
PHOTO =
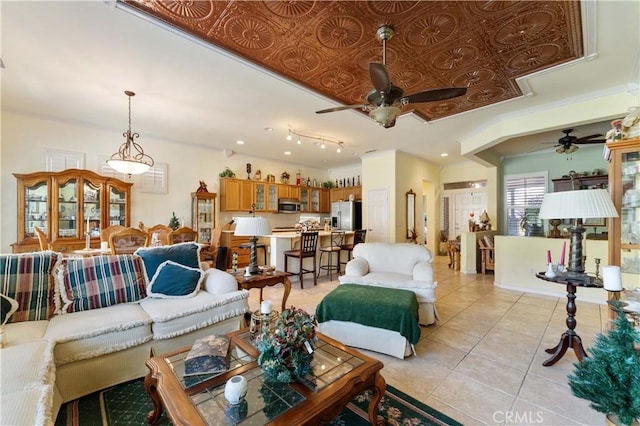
339,373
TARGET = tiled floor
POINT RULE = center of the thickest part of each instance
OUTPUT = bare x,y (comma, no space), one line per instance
482,362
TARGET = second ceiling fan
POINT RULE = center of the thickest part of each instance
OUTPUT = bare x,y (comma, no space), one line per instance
385,100
569,144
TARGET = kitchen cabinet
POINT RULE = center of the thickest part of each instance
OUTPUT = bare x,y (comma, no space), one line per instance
236,194
228,239
288,191
67,206
580,182
624,231
343,194
265,196
314,200
203,214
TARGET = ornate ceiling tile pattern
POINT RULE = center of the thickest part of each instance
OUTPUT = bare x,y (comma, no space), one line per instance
328,45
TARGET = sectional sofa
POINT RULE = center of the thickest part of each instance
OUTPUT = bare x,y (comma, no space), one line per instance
72,326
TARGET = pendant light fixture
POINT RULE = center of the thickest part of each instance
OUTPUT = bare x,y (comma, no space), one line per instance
130,158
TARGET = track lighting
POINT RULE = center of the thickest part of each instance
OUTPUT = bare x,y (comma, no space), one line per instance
322,140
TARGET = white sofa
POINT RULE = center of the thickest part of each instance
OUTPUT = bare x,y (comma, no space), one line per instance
402,266
44,363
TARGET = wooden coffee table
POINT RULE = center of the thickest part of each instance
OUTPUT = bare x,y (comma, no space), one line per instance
339,374
263,280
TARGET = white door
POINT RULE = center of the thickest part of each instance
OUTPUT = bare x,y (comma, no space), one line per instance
378,216
466,203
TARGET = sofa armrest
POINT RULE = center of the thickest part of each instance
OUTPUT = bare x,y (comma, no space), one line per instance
357,267
423,271
218,282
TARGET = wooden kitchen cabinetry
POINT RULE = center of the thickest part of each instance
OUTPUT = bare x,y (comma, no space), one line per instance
265,196
227,239
314,200
68,204
624,231
580,182
203,214
343,194
288,191
236,195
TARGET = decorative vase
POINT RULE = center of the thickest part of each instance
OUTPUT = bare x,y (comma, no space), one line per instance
550,272
236,389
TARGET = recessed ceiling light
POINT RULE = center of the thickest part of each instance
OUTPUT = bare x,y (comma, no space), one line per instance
444,154
287,153
268,129
240,142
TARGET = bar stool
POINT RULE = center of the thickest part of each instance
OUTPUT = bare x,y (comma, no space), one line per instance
358,237
336,243
308,245
247,246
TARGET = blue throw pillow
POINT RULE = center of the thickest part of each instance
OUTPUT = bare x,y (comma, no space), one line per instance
173,280
7,307
187,254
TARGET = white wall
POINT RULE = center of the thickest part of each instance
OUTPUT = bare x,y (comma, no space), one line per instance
25,140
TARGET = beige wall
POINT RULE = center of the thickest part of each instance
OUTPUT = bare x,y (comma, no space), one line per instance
379,172
25,140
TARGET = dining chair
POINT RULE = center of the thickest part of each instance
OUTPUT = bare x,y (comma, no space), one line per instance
308,245
335,246
358,237
106,232
45,244
159,234
128,240
182,235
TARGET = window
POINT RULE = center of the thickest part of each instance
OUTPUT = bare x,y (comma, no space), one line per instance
523,197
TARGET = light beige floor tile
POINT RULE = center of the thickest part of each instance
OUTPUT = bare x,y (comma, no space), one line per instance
452,412
506,355
444,355
454,338
491,373
473,398
525,413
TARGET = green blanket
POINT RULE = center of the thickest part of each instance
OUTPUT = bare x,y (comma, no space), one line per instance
379,307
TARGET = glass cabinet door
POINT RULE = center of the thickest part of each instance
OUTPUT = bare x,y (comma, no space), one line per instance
36,208
260,196
203,210
91,212
117,207
315,200
304,199
272,197
630,218
68,209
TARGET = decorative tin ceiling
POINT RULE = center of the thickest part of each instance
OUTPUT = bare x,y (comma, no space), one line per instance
327,45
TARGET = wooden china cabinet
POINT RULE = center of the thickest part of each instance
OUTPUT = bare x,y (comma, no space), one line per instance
68,204
624,231
203,214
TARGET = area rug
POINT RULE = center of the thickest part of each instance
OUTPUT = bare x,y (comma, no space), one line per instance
128,404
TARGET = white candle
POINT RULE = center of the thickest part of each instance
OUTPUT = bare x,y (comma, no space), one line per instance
265,307
611,278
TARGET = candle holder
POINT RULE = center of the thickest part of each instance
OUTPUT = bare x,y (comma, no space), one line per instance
87,245
597,261
261,323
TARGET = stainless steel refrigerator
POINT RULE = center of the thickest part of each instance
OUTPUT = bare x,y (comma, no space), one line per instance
346,215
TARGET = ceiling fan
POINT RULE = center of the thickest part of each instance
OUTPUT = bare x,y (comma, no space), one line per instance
385,100
569,144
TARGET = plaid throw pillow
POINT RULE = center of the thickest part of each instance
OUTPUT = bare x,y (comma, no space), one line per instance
30,280
101,281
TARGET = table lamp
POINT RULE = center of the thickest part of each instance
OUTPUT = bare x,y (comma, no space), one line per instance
252,227
577,205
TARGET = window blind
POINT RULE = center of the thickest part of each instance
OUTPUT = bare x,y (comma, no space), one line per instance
523,197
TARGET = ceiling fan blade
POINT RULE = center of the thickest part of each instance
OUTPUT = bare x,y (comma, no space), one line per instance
435,95
340,108
579,142
586,138
379,77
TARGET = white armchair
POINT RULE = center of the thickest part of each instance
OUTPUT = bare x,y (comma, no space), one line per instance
402,266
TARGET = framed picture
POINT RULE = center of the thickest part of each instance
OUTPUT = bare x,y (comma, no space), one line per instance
598,221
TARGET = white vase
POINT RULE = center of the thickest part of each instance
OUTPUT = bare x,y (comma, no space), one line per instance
550,272
236,389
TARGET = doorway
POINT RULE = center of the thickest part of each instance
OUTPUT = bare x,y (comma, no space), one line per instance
462,204
378,216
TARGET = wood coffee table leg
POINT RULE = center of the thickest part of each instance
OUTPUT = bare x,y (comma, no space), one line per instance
287,289
378,390
150,385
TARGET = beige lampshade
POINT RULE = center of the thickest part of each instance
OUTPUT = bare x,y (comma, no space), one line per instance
580,204
252,226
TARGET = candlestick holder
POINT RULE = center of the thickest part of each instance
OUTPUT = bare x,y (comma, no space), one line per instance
597,261
87,245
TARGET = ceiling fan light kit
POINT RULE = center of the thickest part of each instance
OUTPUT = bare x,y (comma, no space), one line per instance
568,144
384,102
130,158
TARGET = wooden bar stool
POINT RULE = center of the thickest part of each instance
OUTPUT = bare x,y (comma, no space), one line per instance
308,245
358,237
336,243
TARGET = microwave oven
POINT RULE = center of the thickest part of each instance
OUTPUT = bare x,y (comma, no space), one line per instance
288,205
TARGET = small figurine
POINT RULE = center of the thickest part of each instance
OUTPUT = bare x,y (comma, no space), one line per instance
248,171
258,175
202,188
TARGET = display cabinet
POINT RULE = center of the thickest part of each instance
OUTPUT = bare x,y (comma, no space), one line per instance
265,196
67,206
203,214
624,231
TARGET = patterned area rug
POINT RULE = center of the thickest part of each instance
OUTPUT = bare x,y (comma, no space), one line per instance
128,404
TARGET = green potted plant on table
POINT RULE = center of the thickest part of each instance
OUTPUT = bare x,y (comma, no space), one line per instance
610,376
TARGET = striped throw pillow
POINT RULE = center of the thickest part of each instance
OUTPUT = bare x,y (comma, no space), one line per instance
29,279
101,281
